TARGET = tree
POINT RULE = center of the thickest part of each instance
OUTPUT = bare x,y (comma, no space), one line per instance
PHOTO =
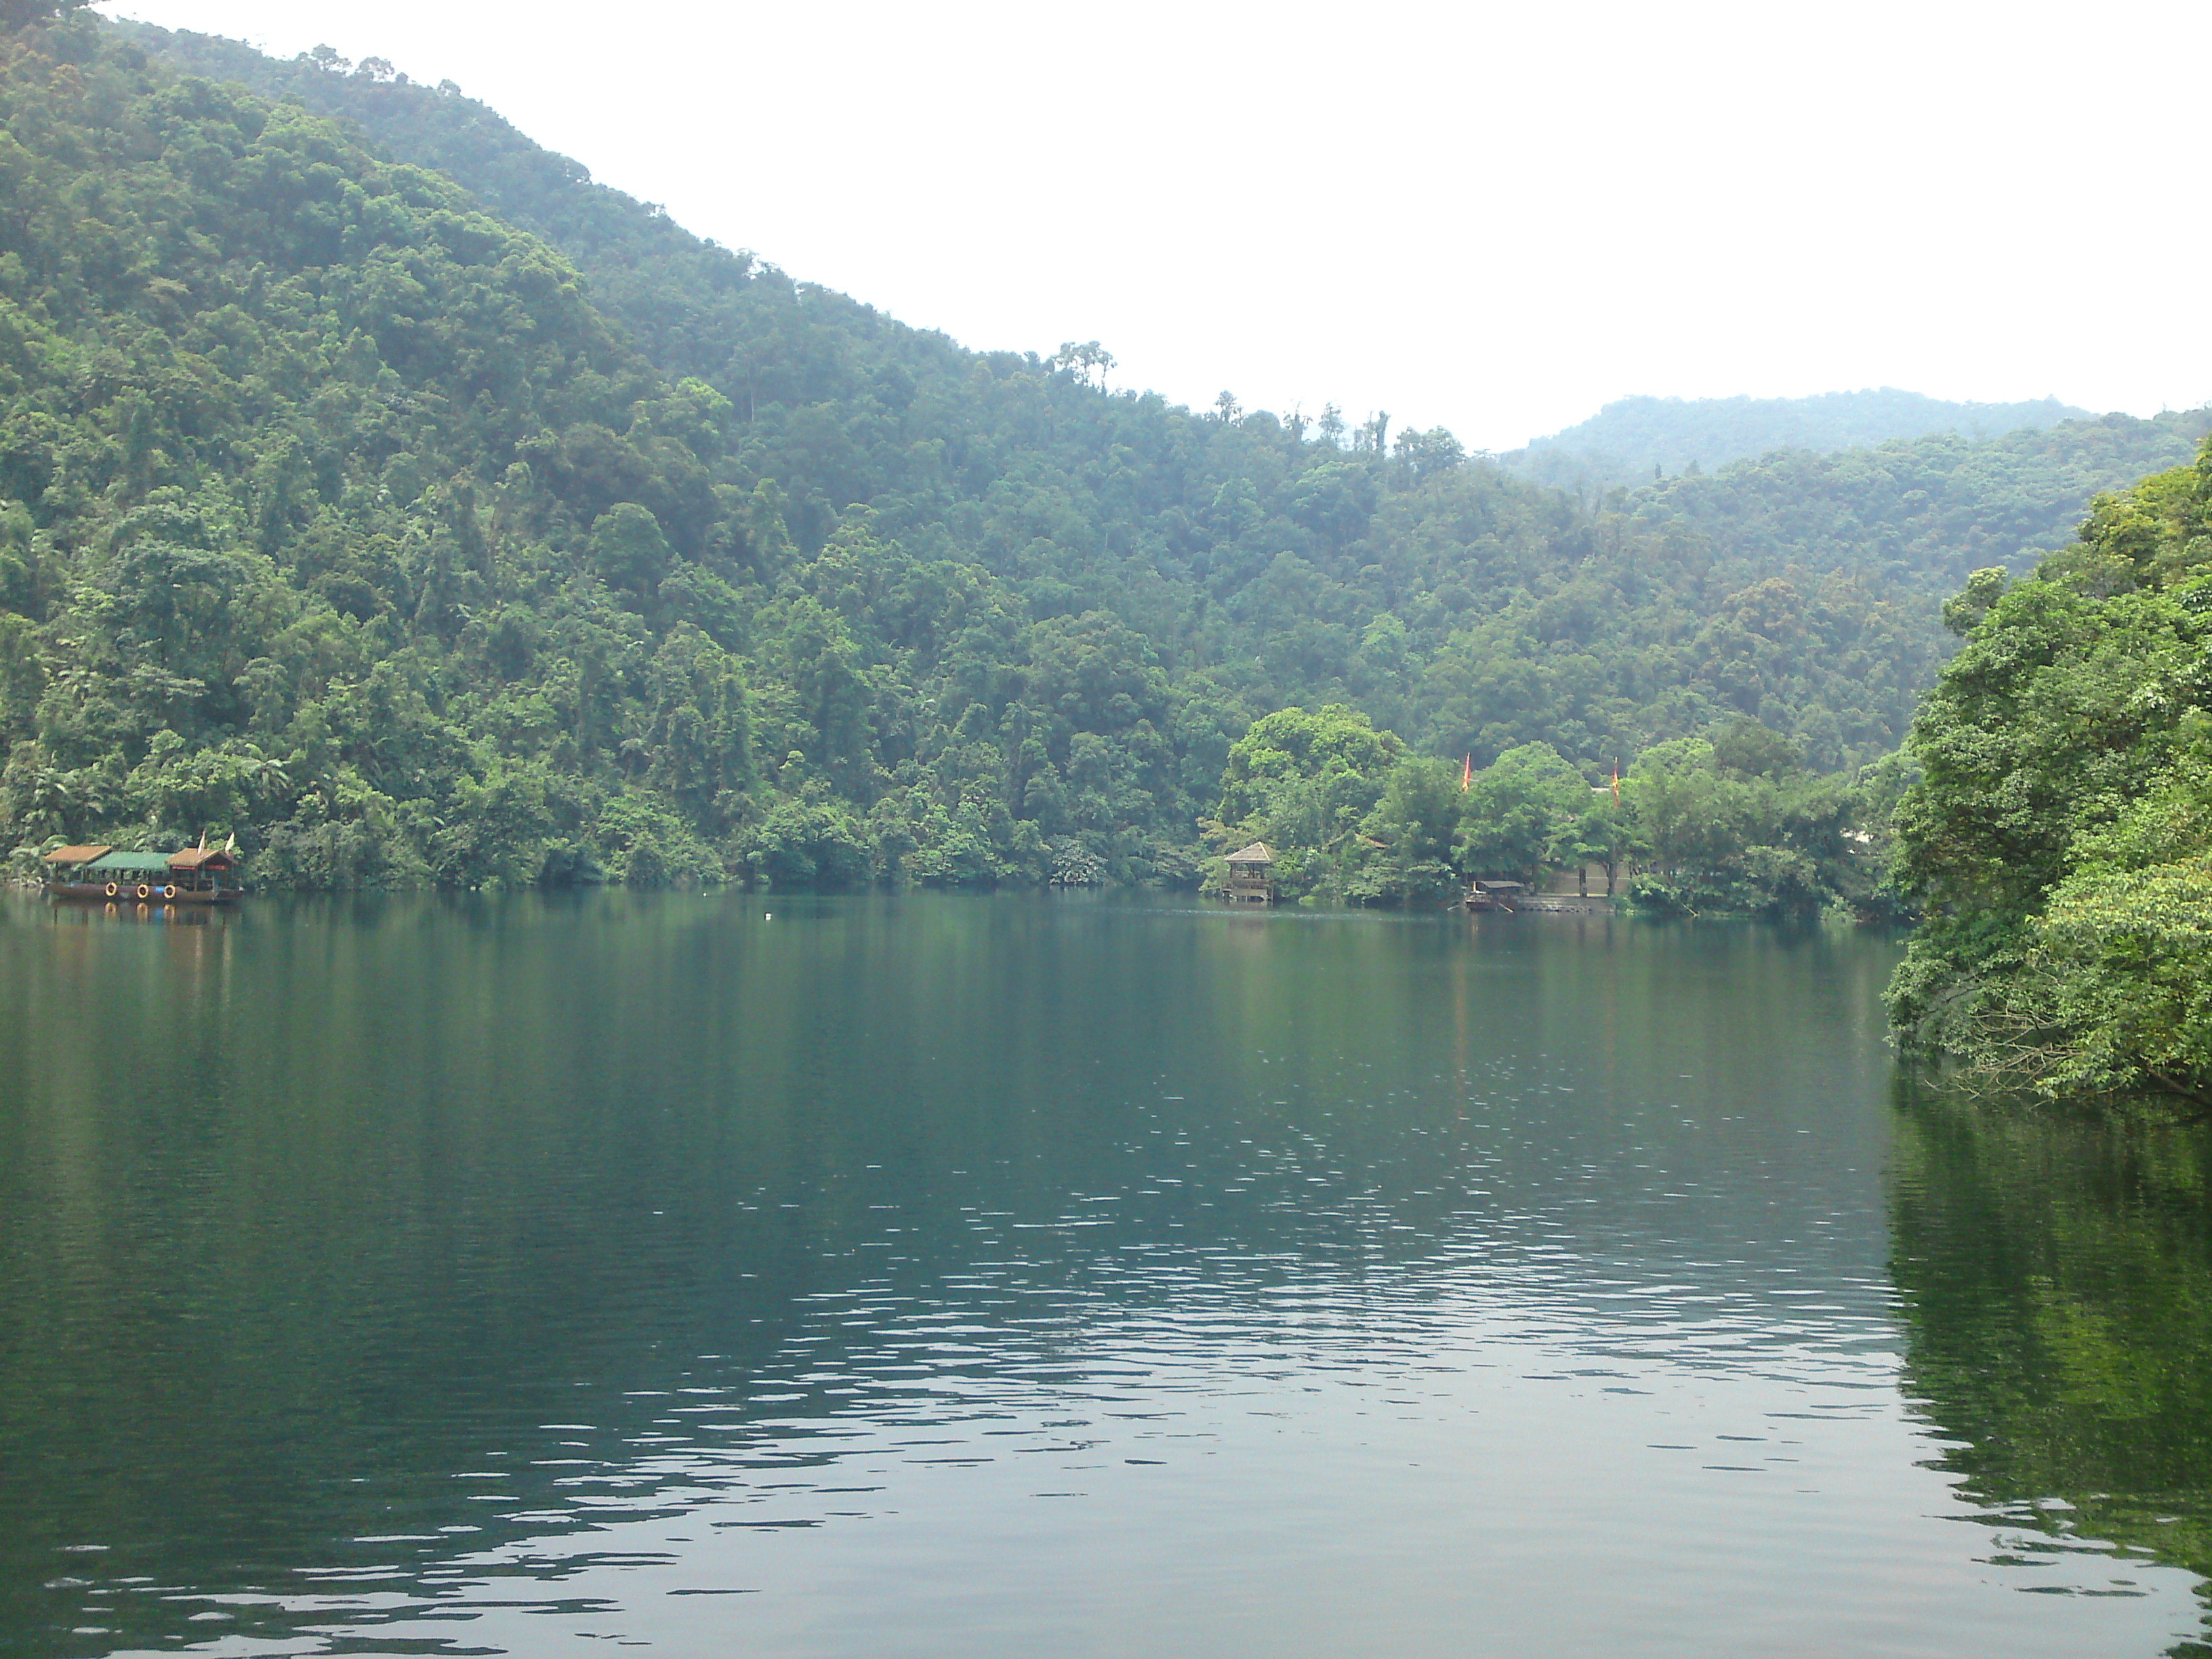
1520,814
1307,778
1732,826
1602,834
1745,748
1424,455
1086,361
1416,821
629,549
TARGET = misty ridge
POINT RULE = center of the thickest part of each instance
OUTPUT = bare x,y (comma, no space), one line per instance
1635,440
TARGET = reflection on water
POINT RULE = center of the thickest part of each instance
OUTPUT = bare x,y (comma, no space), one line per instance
935,1276
2056,1281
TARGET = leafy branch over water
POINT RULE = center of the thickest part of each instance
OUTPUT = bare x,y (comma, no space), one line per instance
2061,836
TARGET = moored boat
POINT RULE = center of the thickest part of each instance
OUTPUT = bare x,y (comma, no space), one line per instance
198,875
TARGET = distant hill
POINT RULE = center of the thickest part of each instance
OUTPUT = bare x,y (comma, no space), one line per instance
1924,512
1626,442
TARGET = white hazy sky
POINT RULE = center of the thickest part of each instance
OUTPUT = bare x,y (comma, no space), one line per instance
1494,218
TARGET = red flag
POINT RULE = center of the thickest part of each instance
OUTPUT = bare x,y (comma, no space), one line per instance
1466,774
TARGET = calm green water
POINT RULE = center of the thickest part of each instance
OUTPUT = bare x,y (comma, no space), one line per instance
979,1278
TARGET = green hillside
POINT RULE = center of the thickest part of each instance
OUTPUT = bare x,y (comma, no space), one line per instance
484,530
1632,440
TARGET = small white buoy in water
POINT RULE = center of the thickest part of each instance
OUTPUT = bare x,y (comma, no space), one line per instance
767,915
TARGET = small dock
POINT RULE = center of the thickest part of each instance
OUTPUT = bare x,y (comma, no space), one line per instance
1509,897
1513,898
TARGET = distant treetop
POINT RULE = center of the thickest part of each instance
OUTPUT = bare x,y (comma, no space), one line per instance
21,14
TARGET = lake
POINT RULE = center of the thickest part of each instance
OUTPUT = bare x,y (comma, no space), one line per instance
938,1276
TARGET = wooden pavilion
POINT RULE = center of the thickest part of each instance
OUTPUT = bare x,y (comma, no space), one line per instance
1250,875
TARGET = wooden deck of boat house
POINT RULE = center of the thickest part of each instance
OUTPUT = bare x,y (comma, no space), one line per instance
200,873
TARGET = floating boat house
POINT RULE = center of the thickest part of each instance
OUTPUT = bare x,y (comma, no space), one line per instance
199,875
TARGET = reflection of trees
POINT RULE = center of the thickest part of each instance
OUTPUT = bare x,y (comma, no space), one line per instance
366,1201
344,1213
2056,1274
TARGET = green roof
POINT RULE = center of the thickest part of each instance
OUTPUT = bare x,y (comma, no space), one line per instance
117,864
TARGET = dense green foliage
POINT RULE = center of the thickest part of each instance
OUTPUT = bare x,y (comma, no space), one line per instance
1635,439
1733,824
405,541
2061,839
1736,825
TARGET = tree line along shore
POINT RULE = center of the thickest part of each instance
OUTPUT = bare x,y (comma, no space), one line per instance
381,494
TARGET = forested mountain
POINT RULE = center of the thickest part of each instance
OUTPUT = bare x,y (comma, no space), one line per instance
1631,441
480,530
